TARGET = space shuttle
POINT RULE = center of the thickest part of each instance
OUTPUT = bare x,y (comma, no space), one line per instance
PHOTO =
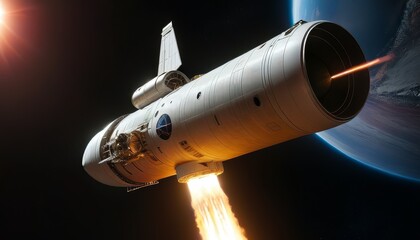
278,91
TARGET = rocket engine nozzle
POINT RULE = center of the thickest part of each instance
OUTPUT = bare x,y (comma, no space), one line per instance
330,49
186,171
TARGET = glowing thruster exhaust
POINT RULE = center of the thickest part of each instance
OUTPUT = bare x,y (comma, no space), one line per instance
213,213
364,66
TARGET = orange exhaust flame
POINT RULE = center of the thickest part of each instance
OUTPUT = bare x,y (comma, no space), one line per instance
213,213
364,66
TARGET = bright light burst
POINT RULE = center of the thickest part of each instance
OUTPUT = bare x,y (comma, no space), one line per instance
11,14
2,13
213,213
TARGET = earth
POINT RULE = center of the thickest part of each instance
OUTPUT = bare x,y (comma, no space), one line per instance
386,133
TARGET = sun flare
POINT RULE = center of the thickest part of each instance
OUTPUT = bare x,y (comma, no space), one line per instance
2,14
12,15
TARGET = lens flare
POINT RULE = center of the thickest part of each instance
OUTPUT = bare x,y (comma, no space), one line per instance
1,14
213,213
12,14
364,66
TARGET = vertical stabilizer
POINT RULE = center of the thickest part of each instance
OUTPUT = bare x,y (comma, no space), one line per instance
169,54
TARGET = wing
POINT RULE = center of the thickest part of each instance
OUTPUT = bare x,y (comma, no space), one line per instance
169,54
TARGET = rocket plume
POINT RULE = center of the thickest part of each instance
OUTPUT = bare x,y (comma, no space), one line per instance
364,66
213,213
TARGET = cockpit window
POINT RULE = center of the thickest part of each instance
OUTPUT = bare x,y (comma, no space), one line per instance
164,127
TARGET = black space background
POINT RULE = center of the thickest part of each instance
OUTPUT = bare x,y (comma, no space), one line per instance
76,64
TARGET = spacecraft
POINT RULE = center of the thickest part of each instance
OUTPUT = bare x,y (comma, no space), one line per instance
278,91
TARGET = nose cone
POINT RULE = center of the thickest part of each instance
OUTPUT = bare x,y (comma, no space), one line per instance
100,172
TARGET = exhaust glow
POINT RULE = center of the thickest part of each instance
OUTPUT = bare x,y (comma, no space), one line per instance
213,213
364,66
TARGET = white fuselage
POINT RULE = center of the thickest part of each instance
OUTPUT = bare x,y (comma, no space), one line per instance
256,100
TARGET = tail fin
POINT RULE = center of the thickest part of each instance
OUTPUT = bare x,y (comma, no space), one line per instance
169,54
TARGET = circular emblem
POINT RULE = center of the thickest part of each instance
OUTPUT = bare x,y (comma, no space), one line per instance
164,127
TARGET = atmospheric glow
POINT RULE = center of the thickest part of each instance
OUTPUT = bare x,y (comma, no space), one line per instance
364,66
295,10
213,213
